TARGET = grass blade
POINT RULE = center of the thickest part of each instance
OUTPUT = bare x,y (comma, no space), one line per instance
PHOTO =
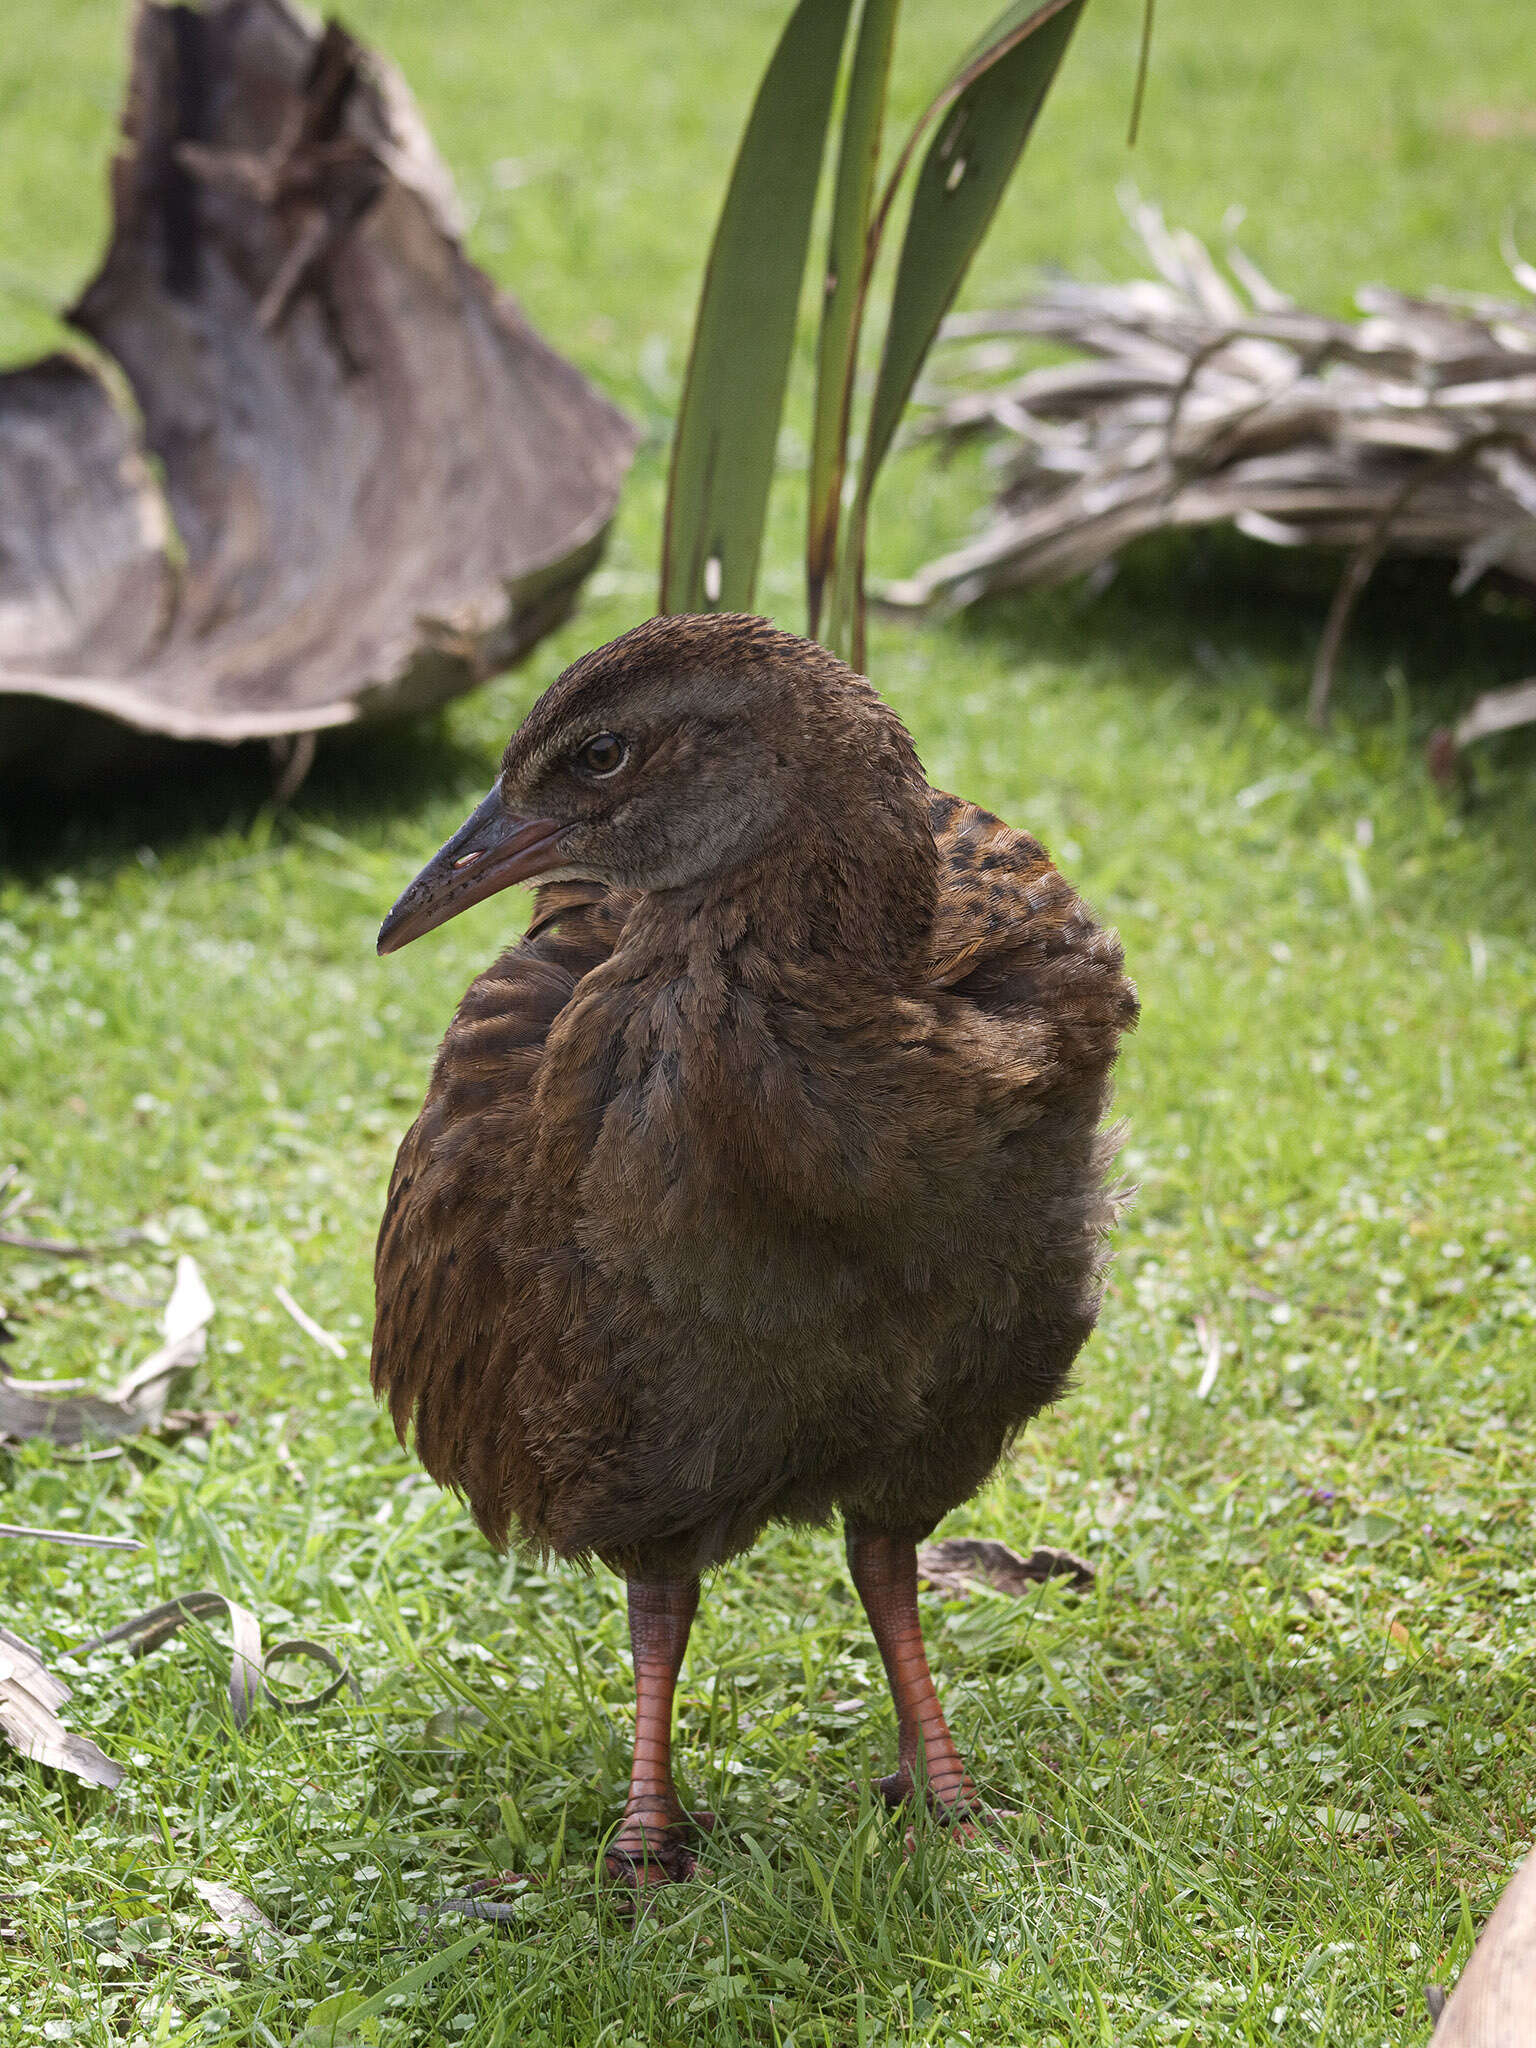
844,288
985,114
728,423
1143,66
353,2018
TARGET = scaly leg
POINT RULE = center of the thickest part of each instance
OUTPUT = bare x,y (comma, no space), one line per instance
884,1570
649,1847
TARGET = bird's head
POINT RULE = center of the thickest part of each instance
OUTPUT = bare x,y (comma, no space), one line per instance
679,753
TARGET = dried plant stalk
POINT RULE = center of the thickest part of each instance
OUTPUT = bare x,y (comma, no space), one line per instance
1208,396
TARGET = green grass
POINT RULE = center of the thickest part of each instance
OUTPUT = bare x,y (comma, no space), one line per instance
1275,1768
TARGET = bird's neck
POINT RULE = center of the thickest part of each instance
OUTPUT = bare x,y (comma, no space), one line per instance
849,904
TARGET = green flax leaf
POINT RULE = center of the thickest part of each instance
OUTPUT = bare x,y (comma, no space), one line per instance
844,288
984,116
728,423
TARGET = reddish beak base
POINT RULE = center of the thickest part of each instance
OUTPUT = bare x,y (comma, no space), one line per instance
491,851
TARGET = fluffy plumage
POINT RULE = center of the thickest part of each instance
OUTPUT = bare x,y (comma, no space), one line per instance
720,1209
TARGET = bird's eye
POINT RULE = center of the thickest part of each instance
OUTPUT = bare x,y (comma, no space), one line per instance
604,754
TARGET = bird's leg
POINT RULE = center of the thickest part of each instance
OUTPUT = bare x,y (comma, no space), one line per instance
649,1847
884,1570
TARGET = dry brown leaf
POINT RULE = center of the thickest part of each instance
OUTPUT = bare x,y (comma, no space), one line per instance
237,1916
961,1563
137,1403
250,1670
30,1697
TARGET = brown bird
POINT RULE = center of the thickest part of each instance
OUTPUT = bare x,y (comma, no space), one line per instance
764,1177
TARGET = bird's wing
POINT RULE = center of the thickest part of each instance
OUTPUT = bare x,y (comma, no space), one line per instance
442,1312
1012,936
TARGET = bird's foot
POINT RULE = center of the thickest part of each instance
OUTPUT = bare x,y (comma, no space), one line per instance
960,1810
977,1827
651,1852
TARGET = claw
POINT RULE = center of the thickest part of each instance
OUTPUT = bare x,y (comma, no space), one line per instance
978,1827
965,1818
653,1863
641,1856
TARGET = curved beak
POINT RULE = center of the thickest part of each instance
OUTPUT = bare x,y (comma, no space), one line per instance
491,850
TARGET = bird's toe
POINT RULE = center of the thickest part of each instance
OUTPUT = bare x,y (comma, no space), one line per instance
898,1789
650,1860
973,1825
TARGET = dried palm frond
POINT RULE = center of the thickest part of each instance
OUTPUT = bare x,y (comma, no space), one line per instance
354,482
1208,396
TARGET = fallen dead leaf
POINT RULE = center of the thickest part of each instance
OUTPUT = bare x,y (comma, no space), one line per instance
961,1563
61,1416
236,1915
30,1697
250,1670
309,332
